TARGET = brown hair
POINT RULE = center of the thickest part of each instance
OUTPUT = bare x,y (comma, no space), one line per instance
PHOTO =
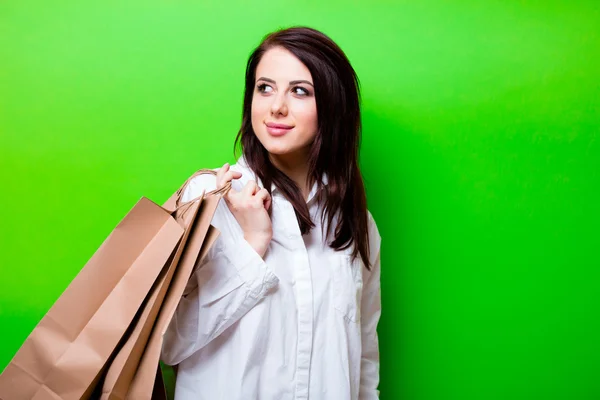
336,147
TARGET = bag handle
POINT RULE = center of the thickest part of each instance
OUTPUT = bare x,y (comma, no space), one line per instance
217,192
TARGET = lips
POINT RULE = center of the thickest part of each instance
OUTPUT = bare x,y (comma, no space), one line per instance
278,126
278,129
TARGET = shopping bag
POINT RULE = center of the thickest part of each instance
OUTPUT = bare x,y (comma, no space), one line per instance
145,337
123,364
64,356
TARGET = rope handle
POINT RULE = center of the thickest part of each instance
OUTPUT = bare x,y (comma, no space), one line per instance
217,192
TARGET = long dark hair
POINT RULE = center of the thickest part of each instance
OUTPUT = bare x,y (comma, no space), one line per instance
336,147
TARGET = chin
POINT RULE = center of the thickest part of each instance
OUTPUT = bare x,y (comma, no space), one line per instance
281,146
279,150
277,147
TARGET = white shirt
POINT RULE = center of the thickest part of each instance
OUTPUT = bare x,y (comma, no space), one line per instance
300,324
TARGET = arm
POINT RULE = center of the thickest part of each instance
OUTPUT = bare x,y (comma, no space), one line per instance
231,280
370,313
227,286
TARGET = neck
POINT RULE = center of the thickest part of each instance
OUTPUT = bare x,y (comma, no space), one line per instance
295,166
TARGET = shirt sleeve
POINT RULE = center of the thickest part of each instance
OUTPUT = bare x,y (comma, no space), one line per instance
370,313
231,280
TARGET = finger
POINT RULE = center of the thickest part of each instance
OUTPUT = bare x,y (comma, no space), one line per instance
250,188
225,177
264,196
220,174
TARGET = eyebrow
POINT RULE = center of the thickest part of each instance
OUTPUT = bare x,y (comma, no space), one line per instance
262,78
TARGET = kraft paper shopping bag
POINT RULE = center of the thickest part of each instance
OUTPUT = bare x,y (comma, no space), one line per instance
66,353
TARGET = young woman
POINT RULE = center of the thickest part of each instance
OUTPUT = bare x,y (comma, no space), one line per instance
286,303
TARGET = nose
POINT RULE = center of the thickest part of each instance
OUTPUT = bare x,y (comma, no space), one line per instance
279,104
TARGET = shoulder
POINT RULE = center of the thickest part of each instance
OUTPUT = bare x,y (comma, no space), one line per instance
198,184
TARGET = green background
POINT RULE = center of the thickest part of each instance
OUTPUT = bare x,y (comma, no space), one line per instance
480,154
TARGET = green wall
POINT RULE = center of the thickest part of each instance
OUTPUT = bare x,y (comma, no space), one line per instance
480,152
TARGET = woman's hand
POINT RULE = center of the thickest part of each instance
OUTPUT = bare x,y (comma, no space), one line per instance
249,207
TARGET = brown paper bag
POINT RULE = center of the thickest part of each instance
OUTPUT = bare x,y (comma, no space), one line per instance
122,367
66,352
121,372
144,337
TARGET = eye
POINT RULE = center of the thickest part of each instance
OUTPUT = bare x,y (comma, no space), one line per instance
300,91
264,88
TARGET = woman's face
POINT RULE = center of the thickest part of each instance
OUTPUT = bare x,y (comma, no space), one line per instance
284,110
